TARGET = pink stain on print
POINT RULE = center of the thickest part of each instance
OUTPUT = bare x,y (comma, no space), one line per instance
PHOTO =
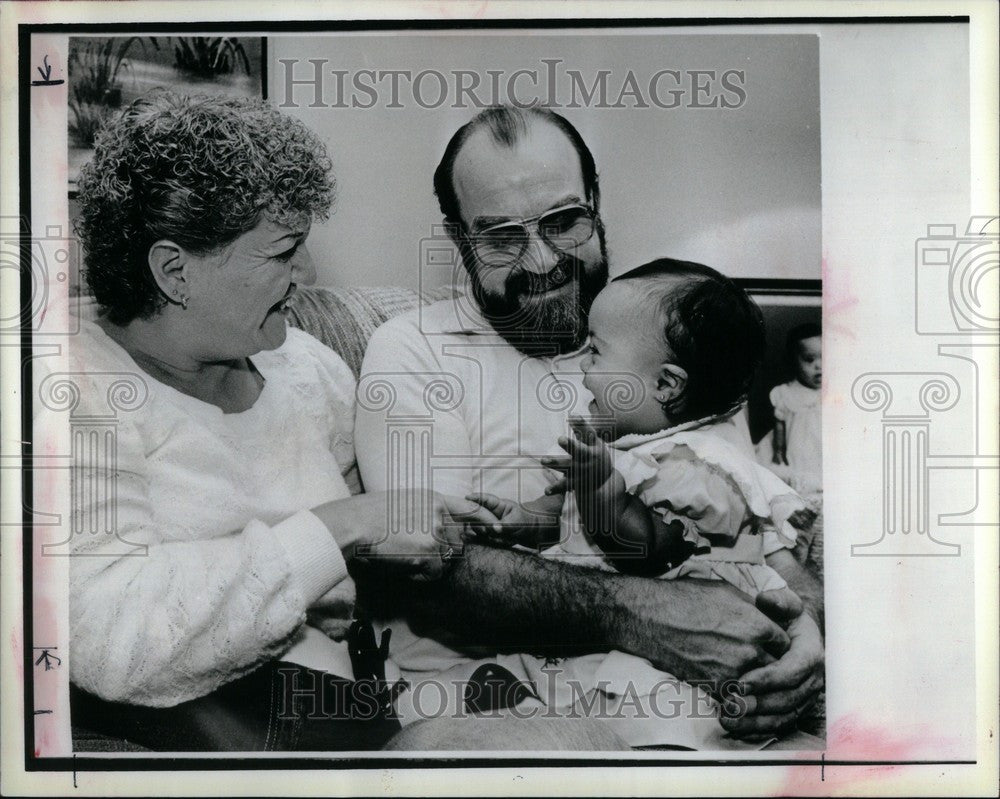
851,739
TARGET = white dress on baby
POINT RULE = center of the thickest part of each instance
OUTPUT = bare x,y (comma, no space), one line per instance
702,475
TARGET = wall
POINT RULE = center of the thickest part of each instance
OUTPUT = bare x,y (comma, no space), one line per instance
736,188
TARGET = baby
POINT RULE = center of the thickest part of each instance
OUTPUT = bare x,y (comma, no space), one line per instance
794,449
673,348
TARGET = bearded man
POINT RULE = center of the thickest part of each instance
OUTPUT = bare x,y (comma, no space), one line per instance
467,395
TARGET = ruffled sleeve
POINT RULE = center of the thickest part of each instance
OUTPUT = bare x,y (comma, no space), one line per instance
792,398
634,468
705,479
680,487
780,401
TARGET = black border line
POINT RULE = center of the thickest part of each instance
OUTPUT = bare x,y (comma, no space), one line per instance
169,762
548,23
27,350
797,287
263,68
329,762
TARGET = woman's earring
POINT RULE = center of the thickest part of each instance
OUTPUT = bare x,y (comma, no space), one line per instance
184,301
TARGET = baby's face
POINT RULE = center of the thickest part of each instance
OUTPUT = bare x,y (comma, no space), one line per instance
622,364
809,362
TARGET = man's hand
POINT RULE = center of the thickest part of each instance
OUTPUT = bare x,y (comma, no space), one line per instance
775,695
803,519
707,631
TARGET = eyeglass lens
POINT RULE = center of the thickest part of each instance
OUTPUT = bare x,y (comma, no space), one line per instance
562,228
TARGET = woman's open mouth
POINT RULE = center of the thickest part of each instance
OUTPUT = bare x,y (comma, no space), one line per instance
281,306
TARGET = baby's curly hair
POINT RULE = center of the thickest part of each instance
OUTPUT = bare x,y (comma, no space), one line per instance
200,171
713,328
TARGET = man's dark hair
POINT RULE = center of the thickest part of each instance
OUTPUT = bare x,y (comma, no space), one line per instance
800,333
714,331
508,125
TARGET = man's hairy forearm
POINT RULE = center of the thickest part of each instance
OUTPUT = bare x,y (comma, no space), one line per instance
501,600
505,599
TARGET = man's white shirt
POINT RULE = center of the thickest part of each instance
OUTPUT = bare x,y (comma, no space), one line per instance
445,402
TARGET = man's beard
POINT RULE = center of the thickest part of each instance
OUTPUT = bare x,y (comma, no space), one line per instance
540,326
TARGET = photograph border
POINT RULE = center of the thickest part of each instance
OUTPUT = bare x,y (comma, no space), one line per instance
269,761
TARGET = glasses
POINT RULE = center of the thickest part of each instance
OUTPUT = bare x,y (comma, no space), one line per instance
561,228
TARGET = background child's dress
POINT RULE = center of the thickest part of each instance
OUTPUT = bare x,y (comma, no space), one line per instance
799,408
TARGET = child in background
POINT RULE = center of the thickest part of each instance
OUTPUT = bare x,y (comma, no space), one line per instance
794,450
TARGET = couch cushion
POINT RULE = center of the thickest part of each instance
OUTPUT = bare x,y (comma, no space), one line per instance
345,318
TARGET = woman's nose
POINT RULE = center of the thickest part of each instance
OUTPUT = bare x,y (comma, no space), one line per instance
303,268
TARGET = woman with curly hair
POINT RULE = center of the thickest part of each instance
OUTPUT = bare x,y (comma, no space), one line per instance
231,514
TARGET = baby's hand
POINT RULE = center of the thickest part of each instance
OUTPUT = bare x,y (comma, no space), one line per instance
518,525
589,465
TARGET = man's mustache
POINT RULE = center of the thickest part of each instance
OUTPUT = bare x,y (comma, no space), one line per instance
523,282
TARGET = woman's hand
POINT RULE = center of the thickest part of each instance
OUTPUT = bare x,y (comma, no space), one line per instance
415,533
